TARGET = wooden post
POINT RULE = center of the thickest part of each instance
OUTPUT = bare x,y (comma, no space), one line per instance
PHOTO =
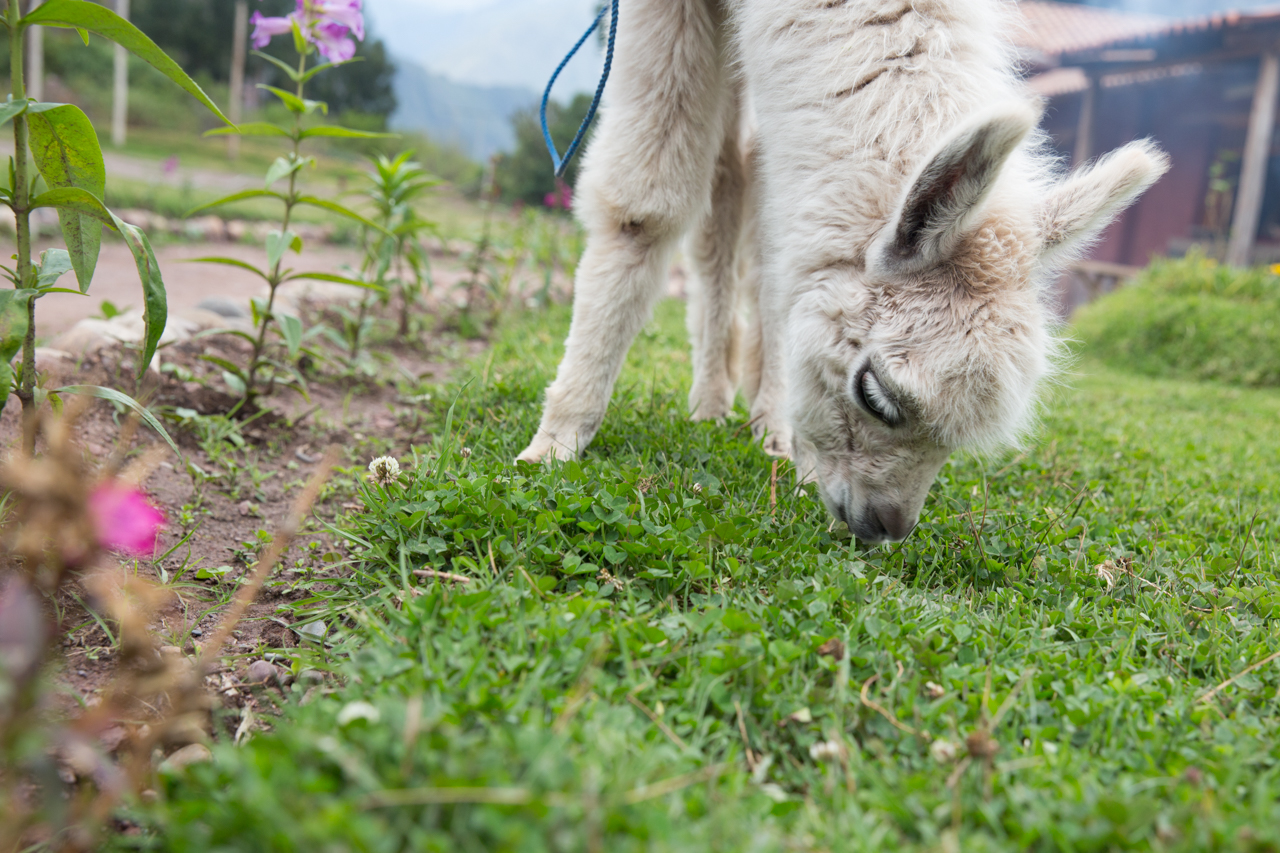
35,59
1253,166
236,107
1084,128
120,101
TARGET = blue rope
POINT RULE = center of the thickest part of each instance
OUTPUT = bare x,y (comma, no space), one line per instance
562,163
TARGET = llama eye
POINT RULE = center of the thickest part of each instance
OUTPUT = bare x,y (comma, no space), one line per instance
874,399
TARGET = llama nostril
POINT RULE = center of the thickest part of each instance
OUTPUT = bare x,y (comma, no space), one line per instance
895,523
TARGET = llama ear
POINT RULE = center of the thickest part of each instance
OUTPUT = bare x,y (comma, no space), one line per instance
1077,210
940,205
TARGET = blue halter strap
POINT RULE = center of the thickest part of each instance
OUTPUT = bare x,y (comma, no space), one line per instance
562,163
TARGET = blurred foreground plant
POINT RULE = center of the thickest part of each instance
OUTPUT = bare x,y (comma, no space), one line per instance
326,26
71,178
59,782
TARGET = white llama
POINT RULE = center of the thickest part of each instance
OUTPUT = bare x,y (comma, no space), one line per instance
900,217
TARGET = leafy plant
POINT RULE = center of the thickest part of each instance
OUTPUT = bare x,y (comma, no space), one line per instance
395,257
311,32
70,178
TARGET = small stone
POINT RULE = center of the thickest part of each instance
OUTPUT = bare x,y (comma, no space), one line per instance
262,672
191,754
196,632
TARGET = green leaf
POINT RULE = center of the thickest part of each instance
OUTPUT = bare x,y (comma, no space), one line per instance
295,104
345,133
283,167
76,199
334,207
155,302
336,279
252,128
11,109
54,264
291,331
66,150
124,399
228,366
277,244
283,66
13,332
231,199
320,69
230,262
80,14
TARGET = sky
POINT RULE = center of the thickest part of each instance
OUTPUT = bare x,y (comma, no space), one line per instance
492,42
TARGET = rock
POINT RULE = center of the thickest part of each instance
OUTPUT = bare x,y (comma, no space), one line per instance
262,672
185,757
224,307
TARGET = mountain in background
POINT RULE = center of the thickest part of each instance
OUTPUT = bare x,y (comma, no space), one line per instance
493,42
466,65
475,118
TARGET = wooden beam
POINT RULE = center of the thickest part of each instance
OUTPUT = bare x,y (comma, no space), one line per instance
1253,166
1084,127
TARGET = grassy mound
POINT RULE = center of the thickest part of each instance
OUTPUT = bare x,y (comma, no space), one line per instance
1190,318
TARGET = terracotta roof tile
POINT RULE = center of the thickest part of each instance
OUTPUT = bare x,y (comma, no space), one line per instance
1056,28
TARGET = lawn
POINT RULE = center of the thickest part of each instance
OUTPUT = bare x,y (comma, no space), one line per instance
660,649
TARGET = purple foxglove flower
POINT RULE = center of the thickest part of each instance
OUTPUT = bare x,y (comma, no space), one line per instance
332,42
265,29
124,519
346,13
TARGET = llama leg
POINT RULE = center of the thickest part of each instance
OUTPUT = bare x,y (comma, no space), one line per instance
646,176
768,409
713,322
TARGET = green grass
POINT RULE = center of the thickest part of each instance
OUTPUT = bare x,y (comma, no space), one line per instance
550,705
1191,318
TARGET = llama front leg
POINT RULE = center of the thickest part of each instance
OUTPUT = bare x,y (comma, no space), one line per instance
619,279
647,175
768,408
713,299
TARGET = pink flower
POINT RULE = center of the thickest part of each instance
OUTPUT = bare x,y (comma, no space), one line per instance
124,519
561,198
265,29
332,42
327,24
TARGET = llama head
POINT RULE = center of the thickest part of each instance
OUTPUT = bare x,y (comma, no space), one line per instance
940,340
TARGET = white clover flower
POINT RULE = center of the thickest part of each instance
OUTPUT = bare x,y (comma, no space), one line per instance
943,751
825,751
384,471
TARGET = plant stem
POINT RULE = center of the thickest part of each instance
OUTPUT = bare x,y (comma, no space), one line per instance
273,283
22,224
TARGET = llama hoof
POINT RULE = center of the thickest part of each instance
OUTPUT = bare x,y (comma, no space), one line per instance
545,448
776,442
710,404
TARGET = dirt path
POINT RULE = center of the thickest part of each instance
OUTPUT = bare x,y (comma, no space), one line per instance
188,284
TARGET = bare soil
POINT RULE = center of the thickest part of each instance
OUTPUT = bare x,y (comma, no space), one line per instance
223,507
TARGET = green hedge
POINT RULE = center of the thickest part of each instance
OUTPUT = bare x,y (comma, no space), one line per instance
1190,318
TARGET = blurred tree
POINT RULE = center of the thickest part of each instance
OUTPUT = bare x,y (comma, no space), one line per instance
526,174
